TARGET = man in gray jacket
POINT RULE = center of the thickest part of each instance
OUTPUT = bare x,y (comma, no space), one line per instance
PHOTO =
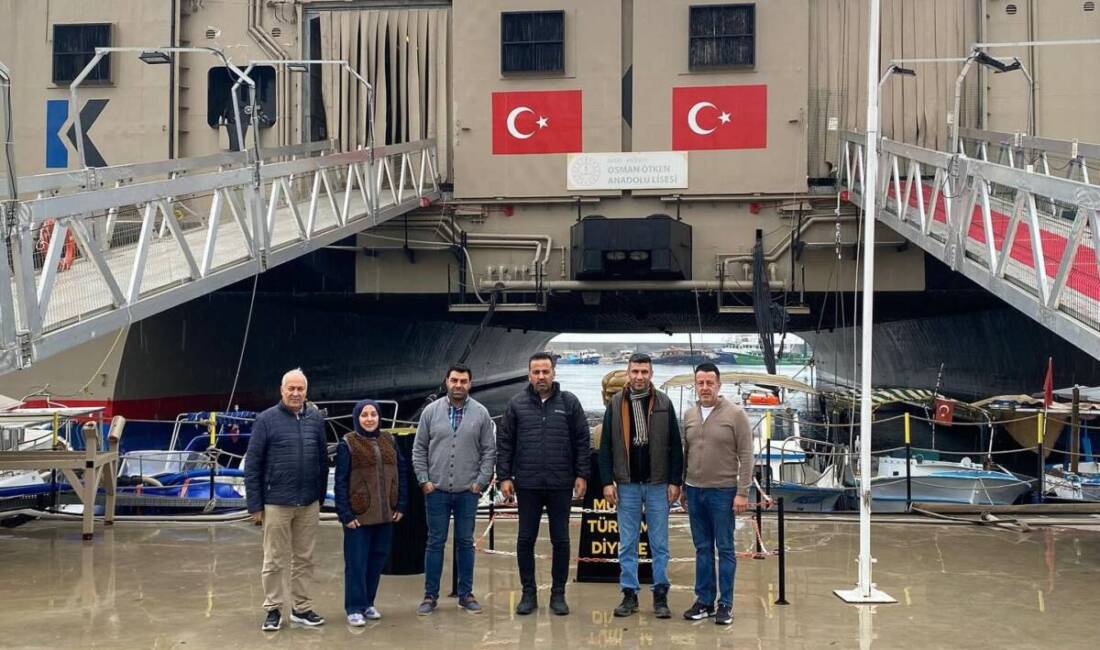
454,454
286,475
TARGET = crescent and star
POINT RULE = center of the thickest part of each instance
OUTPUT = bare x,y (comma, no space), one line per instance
542,122
693,118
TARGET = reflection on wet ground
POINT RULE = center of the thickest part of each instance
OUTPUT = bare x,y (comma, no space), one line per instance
197,586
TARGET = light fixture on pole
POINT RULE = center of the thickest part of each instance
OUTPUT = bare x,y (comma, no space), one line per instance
997,66
865,592
148,55
155,57
302,65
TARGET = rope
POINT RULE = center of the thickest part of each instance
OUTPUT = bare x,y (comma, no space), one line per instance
758,539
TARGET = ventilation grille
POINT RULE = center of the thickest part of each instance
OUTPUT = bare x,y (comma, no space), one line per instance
276,32
1090,6
211,34
1010,9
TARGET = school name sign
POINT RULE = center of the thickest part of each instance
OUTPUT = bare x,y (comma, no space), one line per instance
638,170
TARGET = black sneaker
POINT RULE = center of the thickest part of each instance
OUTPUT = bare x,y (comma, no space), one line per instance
699,611
557,603
724,615
308,617
629,604
273,621
527,604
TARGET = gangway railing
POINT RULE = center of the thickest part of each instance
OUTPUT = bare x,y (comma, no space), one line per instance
1070,159
1029,238
93,250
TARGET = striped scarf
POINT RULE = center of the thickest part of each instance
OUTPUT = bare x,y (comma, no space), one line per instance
638,411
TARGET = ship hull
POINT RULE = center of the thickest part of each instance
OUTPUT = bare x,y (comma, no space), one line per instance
996,351
186,359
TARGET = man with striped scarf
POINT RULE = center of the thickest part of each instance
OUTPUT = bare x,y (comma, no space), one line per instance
642,468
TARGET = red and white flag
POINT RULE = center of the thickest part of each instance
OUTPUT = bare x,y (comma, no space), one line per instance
945,411
546,121
720,117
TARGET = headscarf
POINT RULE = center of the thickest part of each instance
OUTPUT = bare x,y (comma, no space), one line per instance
355,412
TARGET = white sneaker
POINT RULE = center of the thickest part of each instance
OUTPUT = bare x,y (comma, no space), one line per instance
356,620
372,614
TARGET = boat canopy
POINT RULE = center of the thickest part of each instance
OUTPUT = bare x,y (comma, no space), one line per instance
757,378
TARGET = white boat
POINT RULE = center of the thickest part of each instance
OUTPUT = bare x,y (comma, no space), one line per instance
803,487
1082,485
32,429
938,481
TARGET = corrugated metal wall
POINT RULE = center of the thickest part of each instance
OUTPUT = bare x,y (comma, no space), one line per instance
404,54
913,110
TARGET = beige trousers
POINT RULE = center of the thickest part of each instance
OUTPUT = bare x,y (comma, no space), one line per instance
289,533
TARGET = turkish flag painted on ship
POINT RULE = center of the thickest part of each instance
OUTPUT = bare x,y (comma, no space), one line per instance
544,121
720,117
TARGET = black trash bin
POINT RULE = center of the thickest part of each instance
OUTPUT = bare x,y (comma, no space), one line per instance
410,535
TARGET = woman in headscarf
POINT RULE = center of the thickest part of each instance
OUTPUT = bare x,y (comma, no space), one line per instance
370,496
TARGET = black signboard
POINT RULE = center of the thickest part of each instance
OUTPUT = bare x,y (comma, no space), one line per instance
597,558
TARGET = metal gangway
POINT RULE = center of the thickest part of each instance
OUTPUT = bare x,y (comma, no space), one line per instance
96,249
1016,214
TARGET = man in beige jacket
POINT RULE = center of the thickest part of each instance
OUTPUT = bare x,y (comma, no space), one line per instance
718,461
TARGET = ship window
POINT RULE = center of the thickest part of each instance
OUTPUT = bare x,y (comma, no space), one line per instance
219,97
532,41
74,46
722,36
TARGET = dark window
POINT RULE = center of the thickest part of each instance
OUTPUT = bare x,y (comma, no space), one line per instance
74,46
532,41
722,36
219,96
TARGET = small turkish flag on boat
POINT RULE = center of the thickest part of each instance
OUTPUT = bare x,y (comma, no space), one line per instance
944,411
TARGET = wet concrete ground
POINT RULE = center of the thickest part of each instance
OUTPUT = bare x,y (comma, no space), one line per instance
197,586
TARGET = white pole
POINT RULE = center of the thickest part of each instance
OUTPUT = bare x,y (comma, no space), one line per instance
865,591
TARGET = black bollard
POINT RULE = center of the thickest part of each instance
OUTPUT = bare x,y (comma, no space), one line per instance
782,600
908,467
1039,452
759,555
492,524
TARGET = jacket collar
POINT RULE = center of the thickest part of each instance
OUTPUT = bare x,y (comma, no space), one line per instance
285,409
721,403
554,390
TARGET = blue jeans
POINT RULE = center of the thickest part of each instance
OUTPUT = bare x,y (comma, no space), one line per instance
631,498
710,511
439,506
365,551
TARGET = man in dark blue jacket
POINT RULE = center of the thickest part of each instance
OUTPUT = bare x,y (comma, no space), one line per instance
543,457
286,475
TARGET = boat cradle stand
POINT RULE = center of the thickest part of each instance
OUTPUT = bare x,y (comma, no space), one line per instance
85,470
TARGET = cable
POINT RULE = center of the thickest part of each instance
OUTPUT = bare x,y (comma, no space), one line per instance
244,343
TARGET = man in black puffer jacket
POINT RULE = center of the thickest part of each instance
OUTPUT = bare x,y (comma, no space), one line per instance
543,457
286,475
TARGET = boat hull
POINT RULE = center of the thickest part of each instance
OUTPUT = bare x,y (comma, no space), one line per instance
888,493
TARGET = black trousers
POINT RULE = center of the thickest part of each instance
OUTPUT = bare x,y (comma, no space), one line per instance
531,505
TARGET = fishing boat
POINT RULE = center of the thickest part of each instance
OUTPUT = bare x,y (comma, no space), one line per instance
581,357
674,355
748,352
1083,485
938,481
